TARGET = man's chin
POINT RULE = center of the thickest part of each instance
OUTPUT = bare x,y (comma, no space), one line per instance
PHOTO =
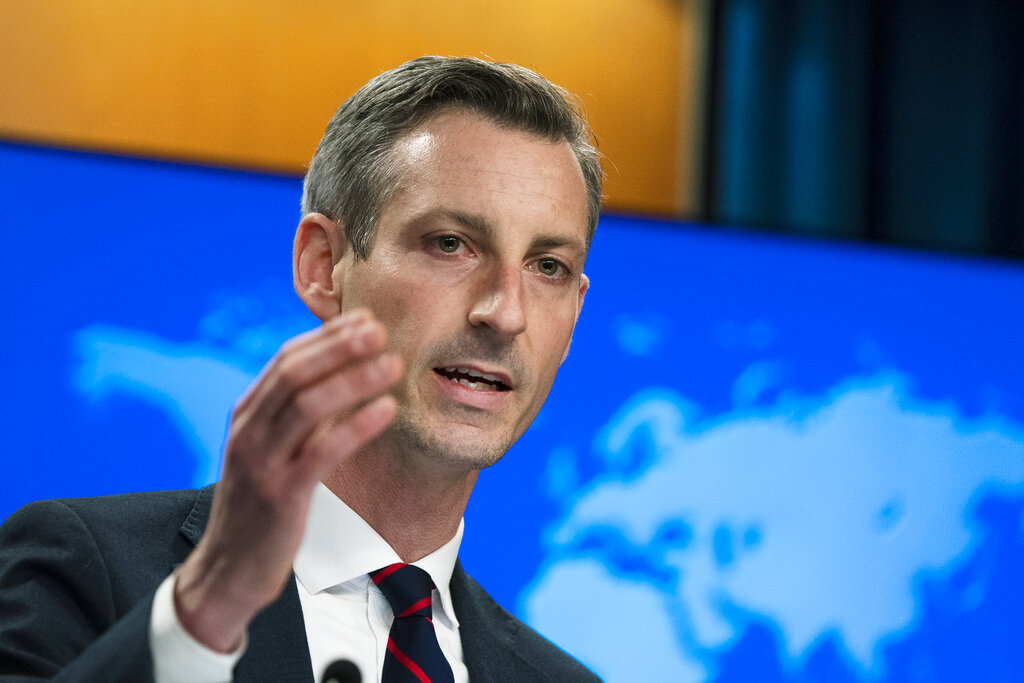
460,445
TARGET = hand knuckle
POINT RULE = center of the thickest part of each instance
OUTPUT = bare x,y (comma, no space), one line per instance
305,404
289,374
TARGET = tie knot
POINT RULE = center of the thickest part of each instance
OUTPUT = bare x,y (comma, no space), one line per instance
407,589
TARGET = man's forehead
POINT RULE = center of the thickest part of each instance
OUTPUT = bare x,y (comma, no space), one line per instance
465,128
465,150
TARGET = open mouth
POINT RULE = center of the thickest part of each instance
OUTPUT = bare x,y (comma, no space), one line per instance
473,379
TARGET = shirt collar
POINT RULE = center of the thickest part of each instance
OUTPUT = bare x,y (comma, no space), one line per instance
340,546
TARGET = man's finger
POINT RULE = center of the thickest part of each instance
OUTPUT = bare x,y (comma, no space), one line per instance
305,360
339,439
331,399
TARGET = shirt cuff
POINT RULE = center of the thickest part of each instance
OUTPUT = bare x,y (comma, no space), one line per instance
177,656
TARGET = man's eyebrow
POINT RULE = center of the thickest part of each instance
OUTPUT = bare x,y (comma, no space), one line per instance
575,247
468,220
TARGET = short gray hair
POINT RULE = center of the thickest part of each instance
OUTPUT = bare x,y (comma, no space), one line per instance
351,177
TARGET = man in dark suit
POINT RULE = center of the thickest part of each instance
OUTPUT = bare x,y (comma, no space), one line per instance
447,215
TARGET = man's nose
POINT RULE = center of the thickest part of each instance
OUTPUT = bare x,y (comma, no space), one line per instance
499,302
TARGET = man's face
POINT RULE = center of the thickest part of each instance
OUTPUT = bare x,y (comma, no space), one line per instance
477,274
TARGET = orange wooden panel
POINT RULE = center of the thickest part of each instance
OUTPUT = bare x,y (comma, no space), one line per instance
253,82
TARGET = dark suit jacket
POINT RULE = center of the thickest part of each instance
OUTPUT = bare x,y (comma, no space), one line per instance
77,579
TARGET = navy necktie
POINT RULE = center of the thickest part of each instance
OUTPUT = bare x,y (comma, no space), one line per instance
413,654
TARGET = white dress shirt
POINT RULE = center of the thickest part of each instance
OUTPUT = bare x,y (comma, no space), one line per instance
346,615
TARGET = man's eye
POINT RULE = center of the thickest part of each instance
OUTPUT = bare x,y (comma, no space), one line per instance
550,267
449,244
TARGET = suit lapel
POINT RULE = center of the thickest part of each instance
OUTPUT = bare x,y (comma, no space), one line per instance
195,524
488,640
277,648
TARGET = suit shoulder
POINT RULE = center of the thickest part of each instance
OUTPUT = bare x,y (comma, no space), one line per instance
85,569
548,660
136,507
123,507
558,664
128,541
125,513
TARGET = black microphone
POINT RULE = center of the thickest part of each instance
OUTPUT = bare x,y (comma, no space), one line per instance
341,671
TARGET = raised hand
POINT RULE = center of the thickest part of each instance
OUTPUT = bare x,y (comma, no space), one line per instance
319,400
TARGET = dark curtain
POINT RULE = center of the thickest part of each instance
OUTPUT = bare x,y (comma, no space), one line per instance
899,121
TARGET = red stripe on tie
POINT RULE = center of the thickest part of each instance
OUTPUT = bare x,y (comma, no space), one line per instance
386,572
416,607
407,663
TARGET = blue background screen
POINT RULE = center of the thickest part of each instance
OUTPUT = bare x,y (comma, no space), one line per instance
765,459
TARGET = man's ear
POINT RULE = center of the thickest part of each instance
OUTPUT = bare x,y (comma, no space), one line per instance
584,286
319,245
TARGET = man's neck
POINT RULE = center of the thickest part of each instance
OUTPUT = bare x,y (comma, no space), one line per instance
415,506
